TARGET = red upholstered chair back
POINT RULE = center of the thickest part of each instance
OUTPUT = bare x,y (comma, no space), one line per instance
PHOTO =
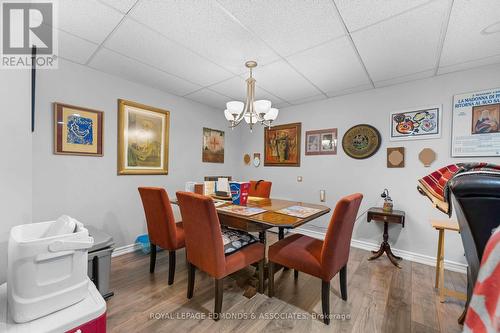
204,245
260,189
159,217
337,242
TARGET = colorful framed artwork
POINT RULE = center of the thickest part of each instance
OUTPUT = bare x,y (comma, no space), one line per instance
77,130
213,146
321,142
361,141
476,124
142,139
414,124
282,145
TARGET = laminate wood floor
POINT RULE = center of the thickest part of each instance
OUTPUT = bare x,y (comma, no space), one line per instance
381,298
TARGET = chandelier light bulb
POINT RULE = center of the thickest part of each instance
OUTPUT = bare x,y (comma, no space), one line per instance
272,114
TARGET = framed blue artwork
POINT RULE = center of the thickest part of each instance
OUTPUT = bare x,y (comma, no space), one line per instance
77,130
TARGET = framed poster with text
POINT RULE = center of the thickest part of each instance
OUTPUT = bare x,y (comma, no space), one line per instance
476,121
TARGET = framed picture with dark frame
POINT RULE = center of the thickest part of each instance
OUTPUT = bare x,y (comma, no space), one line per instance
282,145
321,142
77,130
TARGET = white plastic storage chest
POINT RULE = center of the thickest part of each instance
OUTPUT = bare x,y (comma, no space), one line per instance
45,274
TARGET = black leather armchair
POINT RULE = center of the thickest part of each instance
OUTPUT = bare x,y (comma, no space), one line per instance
476,198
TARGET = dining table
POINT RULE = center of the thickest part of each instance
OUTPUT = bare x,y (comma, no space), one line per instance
269,218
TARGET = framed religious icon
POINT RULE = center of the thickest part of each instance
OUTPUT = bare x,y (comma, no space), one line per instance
361,141
77,130
142,139
476,124
213,146
321,142
282,145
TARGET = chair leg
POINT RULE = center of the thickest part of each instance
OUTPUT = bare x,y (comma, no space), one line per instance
271,279
295,274
261,276
191,275
219,286
325,301
171,267
152,258
343,282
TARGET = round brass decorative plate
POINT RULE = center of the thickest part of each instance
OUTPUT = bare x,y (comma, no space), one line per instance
361,141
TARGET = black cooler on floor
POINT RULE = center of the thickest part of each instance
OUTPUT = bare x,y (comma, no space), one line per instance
99,262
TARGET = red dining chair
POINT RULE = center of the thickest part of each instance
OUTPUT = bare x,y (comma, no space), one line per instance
162,229
322,259
205,247
260,189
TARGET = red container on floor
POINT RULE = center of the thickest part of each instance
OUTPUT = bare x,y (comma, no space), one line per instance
239,192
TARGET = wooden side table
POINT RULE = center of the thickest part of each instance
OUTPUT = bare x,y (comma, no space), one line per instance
441,226
396,216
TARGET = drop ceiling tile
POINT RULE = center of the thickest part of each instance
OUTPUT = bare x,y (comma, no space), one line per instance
206,28
74,48
121,5
361,13
403,45
466,38
332,66
469,64
309,99
145,45
283,81
236,88
282,105
288,26
116,64
87,19
210,98
349,91
405,78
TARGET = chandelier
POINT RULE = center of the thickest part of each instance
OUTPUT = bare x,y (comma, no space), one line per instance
251,111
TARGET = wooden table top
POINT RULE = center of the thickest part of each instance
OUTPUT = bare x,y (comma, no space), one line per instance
271,217
445,225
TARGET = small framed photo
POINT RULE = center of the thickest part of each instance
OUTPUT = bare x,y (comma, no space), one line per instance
77,130
417,123
321,142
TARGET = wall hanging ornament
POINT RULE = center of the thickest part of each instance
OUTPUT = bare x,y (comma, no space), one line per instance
361,141
396,157
427,156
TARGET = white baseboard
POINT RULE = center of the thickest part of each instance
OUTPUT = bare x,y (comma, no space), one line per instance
412,256
119,251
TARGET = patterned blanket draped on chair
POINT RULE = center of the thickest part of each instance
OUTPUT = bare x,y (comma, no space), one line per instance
435,185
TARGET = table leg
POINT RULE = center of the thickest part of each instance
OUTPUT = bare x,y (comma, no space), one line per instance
262,237
281,233
441,267
438,262
386,247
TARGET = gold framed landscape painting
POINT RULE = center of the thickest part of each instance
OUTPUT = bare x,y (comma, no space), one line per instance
142,139
77,130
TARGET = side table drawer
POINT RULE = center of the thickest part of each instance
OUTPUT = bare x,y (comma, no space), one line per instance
386,218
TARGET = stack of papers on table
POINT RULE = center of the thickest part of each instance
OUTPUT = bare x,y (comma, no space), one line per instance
242,210
299,211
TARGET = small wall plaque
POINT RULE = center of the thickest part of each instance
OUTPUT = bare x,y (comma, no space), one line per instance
427,156
396,157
